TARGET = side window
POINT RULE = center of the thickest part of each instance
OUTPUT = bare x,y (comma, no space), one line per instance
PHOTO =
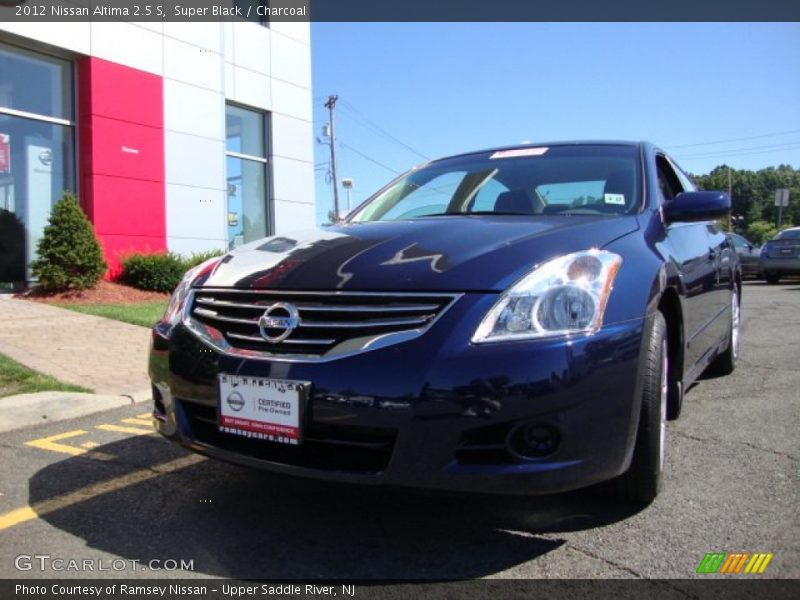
487,196
686,183
668,182
738,241
573,194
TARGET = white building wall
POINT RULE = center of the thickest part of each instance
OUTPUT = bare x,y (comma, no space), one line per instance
203,65
194,136
280,84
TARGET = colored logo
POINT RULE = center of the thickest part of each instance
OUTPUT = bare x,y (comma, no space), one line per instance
734,563
235,401
46,157
278,321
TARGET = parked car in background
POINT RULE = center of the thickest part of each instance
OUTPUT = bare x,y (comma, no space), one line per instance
749,255
517,320
780,256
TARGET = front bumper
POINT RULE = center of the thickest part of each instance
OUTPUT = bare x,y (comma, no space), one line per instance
431,413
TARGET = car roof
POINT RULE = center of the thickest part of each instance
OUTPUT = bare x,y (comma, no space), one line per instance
546,144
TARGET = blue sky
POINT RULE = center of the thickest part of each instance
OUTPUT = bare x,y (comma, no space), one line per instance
410,91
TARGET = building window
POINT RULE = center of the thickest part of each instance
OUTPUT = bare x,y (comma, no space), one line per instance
249,214
36,151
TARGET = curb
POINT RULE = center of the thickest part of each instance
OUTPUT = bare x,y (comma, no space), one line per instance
27,410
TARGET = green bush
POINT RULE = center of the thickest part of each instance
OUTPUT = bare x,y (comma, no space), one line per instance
154,272
759,232
200,257
70,257
160,272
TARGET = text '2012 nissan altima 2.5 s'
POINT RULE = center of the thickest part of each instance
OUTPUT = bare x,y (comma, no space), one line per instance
521,320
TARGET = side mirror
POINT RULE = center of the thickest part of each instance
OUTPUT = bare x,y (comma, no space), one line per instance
697,206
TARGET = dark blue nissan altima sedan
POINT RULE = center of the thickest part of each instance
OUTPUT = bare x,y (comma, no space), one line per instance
517,320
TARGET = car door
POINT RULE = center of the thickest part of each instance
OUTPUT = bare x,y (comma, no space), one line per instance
723,255
748,254
698,260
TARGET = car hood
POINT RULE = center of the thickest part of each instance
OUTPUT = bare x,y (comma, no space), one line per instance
452,253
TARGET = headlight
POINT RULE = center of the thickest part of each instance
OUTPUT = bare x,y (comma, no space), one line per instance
175,307
563,296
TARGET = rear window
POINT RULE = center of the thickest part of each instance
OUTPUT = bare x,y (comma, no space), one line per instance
575,180
788,234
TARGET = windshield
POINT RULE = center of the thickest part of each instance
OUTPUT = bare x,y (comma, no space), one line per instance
575,180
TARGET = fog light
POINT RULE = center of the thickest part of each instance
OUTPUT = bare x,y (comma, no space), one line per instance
532,440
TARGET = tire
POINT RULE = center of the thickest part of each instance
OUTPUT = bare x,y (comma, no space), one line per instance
725,363
772,278
674,400
641,483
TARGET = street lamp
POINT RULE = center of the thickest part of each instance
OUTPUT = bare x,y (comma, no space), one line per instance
347,184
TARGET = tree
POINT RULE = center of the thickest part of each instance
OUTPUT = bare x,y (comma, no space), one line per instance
753,194
759,232
70,257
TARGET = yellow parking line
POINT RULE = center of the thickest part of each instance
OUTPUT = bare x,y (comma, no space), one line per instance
51,444
146,415
139,422
19,515
121,429
45,507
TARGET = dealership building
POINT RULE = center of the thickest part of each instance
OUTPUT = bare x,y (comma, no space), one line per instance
175,136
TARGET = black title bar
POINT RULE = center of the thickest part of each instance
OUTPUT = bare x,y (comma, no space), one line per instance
734,588
399,10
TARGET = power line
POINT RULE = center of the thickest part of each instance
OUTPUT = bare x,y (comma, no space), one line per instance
723,155
369,158
359,117
742,139
746,149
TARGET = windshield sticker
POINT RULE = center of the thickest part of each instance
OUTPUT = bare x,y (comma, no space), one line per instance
519,152
618,199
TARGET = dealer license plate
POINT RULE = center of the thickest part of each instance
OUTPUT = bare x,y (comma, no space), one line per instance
262,408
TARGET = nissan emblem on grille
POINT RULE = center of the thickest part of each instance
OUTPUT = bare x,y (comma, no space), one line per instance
272,320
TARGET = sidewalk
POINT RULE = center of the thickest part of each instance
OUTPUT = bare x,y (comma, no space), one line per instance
107,356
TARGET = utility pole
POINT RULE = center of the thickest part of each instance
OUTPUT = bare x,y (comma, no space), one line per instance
330,105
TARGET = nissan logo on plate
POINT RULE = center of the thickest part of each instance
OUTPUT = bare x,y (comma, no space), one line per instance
235,401
278,321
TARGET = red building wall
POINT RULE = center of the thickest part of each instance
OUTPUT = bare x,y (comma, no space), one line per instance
121,157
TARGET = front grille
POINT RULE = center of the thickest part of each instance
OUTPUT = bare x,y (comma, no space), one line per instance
328,323
325,446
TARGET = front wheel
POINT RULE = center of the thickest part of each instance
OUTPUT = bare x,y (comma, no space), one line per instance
725,363
772,278
642,481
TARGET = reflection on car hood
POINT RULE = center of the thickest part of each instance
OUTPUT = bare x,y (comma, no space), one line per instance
463,253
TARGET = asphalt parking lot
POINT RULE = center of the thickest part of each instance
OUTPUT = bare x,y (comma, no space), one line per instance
106,489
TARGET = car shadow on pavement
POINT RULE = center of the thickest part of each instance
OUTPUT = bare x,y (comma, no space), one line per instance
236,522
